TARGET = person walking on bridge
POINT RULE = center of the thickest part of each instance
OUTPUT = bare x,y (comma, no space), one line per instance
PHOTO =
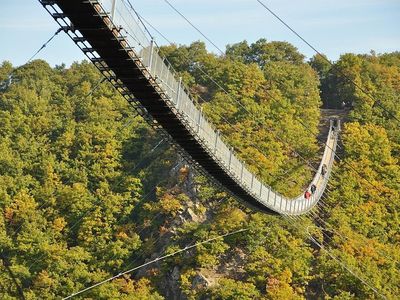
307,195
324,169
313,188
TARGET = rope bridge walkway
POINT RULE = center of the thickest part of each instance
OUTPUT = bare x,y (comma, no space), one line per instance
112,36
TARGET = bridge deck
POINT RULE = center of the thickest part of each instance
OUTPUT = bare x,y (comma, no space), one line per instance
133,65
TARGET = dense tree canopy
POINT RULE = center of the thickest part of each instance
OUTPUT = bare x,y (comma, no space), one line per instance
88,190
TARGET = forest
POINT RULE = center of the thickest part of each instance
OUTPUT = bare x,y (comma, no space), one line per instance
88,189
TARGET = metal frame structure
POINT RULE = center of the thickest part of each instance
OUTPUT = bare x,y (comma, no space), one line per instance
113,38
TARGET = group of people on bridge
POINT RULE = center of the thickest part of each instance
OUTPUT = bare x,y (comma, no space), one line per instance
310,192
313,187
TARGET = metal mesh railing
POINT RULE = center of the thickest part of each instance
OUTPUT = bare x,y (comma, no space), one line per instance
124,18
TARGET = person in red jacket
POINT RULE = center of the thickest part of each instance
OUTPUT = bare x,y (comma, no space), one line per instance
307,195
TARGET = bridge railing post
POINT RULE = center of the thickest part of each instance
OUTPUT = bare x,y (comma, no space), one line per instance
199,120
230,159
113,9
216,141
151,54
178,93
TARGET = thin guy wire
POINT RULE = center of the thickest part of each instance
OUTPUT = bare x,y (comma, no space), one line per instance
194,27
76,223
154,261
159,237
296,222
328,227
36,53
327,60
330,239
270,129
45,44
237,101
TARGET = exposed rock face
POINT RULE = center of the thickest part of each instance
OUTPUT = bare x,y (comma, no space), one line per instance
171,286
193,210
232,264
200,281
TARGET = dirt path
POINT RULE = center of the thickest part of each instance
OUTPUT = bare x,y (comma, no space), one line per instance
328,114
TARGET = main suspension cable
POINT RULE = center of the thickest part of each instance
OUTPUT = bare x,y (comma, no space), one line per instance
44,45
194,27
353,82
296,223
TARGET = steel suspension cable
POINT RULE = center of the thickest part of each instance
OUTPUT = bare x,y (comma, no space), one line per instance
155,241
85,213
358,86
45,44
152,27
329,227
366,283
295,220
156,260
208,76
194,26
35,54
241,105
90,210
335,152
330,239
303,218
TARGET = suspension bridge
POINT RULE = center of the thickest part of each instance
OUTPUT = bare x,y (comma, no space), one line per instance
112,36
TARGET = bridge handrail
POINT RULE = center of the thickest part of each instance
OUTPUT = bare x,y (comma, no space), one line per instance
162,72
